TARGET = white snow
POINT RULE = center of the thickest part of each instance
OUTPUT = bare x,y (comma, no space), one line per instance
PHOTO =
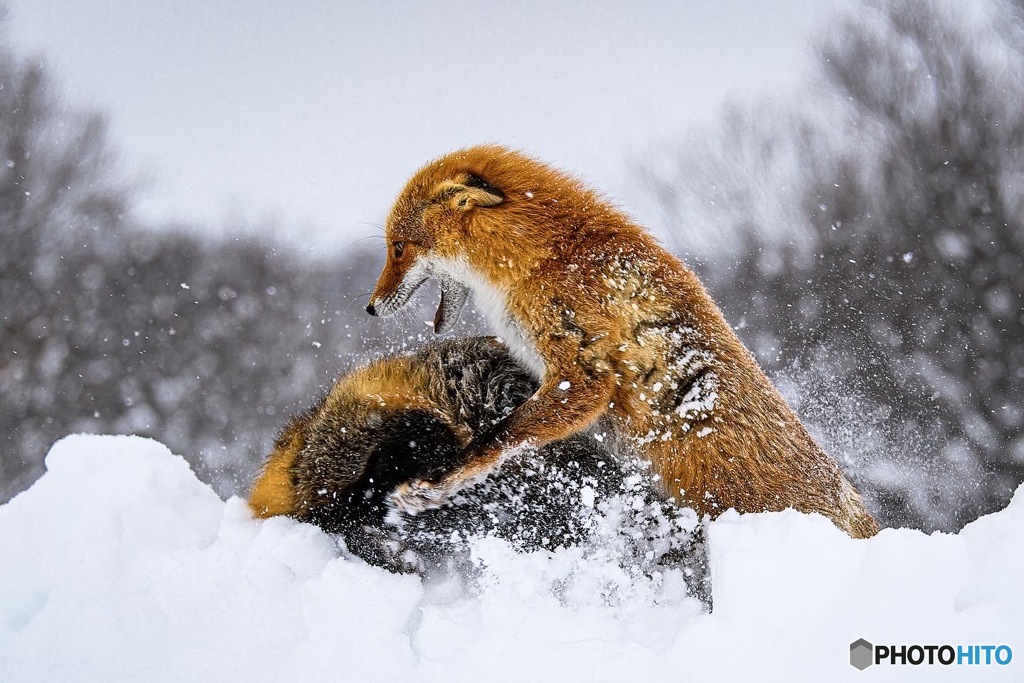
587,496
119,565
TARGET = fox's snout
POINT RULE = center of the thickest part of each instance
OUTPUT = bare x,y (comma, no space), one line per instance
389,297
401,277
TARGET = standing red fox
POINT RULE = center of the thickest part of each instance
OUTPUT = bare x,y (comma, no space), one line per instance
614,327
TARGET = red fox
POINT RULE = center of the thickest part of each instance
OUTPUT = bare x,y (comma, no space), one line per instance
613,326
407,417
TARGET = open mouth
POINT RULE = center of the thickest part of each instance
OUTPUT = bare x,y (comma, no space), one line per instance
453,298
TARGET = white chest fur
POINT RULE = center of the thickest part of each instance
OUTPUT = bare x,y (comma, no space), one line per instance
493,303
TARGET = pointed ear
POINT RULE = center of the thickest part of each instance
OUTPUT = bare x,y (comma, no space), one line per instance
472,191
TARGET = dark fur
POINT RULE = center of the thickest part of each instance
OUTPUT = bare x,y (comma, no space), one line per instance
351,452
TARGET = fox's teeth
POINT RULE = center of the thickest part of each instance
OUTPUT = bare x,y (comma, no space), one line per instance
453,298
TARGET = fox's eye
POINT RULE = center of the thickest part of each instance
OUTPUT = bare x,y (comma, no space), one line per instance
399,247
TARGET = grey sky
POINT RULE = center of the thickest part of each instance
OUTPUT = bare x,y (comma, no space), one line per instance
316,112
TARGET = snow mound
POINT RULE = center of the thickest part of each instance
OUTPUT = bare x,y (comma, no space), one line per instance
119,565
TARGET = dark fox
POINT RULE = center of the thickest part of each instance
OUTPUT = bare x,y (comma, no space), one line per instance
411,417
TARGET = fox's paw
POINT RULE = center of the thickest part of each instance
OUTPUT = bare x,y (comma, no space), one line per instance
413,497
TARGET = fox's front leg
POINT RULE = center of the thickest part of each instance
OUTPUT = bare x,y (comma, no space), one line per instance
561,407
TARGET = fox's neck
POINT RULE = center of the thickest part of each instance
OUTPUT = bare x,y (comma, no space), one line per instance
492,299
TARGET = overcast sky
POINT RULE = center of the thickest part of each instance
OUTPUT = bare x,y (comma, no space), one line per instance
314,113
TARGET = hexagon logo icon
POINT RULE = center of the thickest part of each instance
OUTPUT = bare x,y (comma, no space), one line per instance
861,654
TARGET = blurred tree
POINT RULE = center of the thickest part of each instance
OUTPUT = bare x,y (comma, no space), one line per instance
206,345
109,327
57,192
894,296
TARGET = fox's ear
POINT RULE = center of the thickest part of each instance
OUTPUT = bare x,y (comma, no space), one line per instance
471,191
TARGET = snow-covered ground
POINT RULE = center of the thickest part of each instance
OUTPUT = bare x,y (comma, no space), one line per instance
119,565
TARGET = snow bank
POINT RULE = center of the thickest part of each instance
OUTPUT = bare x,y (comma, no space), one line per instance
119,565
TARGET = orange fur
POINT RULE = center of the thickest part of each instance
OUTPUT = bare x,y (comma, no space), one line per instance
273,492
615,327
387,385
